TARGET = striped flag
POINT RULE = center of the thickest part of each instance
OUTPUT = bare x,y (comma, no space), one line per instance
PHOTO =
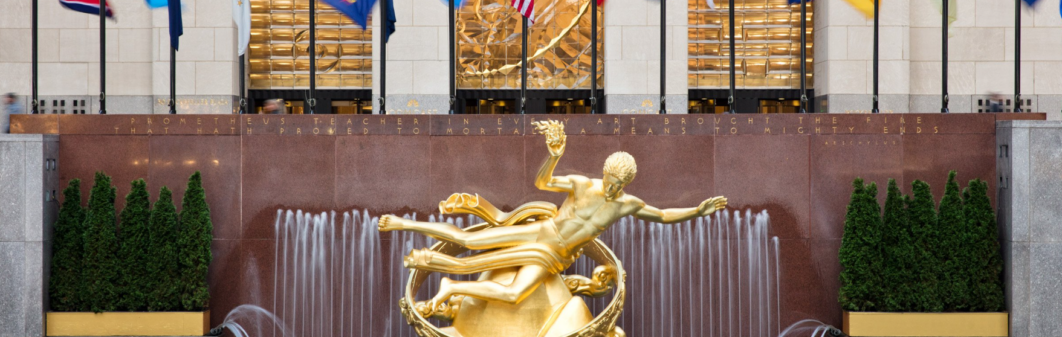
526,8
87,6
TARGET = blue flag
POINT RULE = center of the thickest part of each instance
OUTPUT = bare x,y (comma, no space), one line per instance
357,10
457,4
1031,2
796,2
389,24
176,26
156,3
87,6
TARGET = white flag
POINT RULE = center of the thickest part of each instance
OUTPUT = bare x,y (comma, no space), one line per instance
711,4
241,13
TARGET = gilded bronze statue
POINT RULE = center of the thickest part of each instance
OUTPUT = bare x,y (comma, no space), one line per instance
530,246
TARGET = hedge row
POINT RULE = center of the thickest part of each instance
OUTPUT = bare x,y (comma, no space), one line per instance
917,256
155,261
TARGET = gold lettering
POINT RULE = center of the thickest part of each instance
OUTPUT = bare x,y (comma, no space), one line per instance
199,131
332,121
232,130
499,122
750,120
834,129
901,119
316,131
582,131
416,130
399,121
466,121
599,120
167,129
449,131
615,120
399,130
918,129
298,131
265,121
116,129
499,129
516,131
364,131
683,120
632,130
800,129
215,120
801,119
249,131
834,120
231,120
616,131
733,130
132,131
817,130
198,121
482,131
816,120
248,120
132,121
767,130
365,121
767,120
683,130
383,121
851,129
215,131
733,120
886,130
700,120
282,122
349,131
166,121
868,119
181,121
903,129
416,122
465,131
918,120
650,131
665,120
315,121
936,129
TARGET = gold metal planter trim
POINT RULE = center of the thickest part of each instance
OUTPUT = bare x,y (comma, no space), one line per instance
926,324
128,323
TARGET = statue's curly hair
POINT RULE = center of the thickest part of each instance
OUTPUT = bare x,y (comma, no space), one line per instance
621,165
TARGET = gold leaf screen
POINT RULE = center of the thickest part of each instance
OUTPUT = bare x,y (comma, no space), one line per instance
280,41
489,45
767,45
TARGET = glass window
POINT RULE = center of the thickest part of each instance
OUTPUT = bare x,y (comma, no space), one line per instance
489,45
278,54
766,42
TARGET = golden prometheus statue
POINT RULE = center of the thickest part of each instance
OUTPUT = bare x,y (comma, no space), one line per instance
520,291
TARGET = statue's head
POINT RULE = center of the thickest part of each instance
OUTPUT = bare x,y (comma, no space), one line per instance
619,171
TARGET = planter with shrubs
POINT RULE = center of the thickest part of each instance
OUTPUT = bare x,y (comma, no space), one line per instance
144,275
922,269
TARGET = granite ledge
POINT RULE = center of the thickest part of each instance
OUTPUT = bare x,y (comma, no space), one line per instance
5,137
1029,124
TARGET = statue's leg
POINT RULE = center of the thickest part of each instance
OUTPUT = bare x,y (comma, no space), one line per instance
488,238
524,283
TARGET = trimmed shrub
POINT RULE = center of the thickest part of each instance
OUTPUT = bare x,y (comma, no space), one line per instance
134,248
860,253
65,282
950,251
99,263
985,263
163,263
195,235
897,243
922,218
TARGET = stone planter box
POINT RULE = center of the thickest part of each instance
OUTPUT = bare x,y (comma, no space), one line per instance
883,324
128,323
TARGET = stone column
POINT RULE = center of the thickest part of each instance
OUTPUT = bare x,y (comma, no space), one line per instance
632,56
28,208
1029,162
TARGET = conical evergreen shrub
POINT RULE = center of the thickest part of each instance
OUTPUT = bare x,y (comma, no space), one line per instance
134,249
922,218
950,249
99,263
65,282
896,242
985,264
163,262
860,252
195,235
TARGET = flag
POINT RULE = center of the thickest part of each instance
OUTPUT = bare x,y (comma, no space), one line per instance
711,4
357,10
389,24
458,4
241,13
157,3
952,11
1031,2
526,8
176,24
87,6
865,6
796,2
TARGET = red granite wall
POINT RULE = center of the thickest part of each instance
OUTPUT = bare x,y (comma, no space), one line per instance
797,167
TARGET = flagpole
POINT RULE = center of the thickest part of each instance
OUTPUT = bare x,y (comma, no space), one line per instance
383,57
453,57
103,57
1017,55
944,57
663,56
730,99
874,109
33,85
523,68
313,56
593,57
803,56
243,85
173,80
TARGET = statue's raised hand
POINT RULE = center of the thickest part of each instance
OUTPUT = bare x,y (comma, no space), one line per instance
711,205
555,137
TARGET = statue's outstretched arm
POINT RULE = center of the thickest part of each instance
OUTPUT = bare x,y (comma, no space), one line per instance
555,140
673,215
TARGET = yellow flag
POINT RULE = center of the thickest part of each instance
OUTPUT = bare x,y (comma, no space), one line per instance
952,11
865,6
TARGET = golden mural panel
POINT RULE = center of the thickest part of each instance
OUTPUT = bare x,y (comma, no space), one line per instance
767,45
489,45
279,55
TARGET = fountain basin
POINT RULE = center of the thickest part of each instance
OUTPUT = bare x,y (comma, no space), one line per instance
886,324
128,323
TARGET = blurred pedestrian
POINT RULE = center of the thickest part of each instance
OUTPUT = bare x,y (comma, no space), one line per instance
11,107
273,107
995,102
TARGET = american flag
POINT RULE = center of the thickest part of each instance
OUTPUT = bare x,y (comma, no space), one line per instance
86,6
526,8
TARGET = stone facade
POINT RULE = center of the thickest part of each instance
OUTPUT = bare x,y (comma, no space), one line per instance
1030,206
981,55
29,179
